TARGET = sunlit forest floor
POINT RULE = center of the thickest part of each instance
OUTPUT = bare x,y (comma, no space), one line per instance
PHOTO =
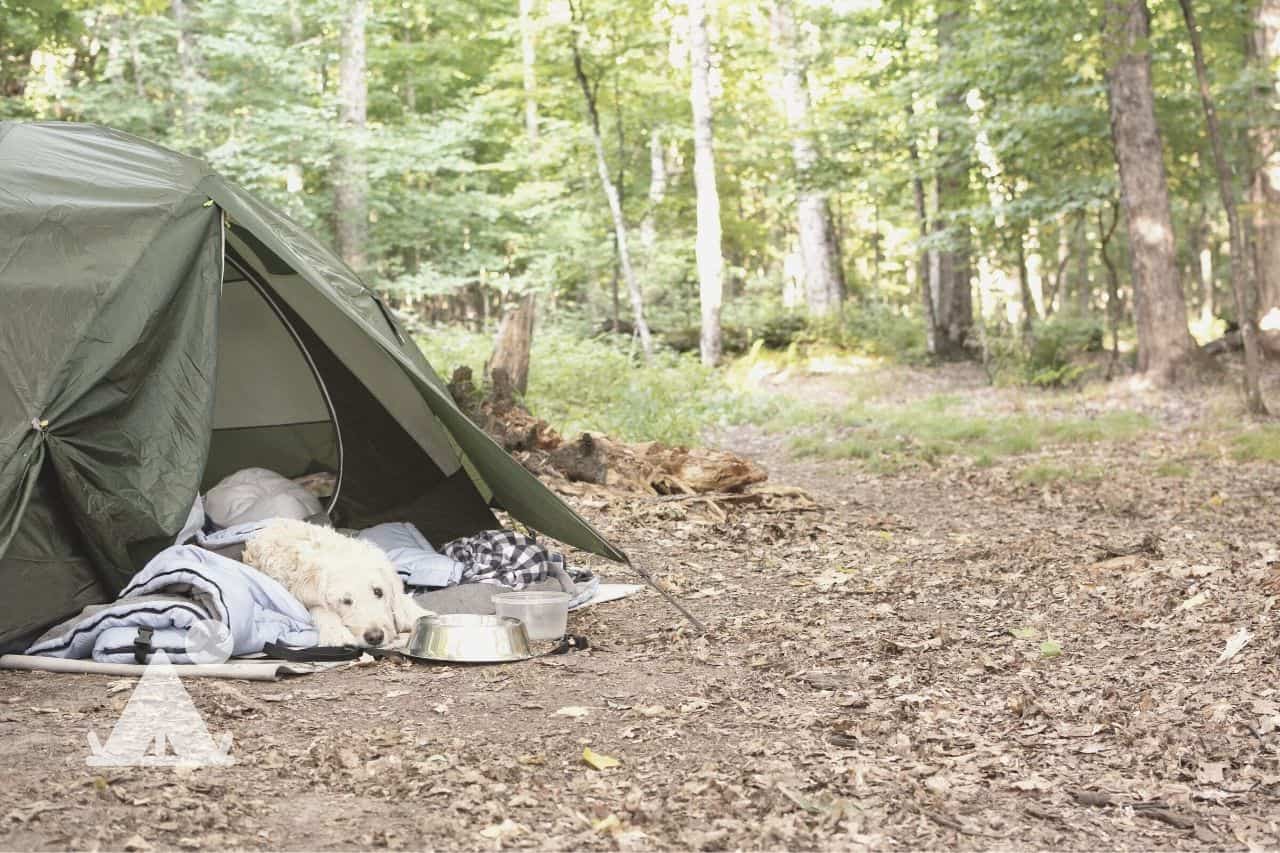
1006,624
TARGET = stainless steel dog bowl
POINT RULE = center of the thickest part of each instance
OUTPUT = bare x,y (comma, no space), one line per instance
468,638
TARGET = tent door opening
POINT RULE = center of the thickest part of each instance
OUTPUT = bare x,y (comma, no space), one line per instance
272,408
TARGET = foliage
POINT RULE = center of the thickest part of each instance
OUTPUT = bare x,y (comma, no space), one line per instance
1055,355
579,384
466,211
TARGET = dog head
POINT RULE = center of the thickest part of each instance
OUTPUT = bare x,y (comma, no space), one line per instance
351,579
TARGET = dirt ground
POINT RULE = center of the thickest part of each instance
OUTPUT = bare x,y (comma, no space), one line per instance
946,656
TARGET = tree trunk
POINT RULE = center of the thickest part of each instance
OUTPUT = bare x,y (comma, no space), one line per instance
528,60
295,22
1208,307
512,345
1029,316
1165,348
707,246
955,294
1242,277
615,206
1084,289
1264,189
924,266
1105,232
350,174
410,90
189,71
135,62
824,285
657,192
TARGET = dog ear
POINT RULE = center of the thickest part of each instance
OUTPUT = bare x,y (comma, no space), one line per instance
401,612
308,585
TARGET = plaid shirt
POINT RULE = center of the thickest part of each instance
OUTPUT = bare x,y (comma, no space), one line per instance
503,557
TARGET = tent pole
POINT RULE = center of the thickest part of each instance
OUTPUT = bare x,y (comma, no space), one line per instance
671,599
251,276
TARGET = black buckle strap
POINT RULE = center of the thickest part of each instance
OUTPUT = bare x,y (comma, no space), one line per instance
310,654
142,645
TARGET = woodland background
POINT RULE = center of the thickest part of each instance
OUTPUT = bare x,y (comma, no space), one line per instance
920,180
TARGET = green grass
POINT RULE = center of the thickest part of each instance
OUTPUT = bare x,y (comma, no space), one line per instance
1173,469
1044,474
580,384
937,427
1258,445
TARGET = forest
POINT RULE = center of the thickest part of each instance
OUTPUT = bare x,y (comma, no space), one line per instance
931,180
922,351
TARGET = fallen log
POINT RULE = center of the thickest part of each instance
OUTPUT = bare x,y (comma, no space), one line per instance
650,467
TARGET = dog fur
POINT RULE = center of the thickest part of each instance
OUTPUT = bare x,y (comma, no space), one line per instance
350,586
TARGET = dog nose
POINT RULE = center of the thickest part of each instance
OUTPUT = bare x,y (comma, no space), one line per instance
373,636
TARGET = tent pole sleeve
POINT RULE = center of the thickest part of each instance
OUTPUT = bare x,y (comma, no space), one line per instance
671,599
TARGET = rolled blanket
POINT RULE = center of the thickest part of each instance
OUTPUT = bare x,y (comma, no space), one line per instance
180,587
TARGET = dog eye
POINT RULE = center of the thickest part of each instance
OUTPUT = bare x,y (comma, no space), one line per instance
377,592
347,600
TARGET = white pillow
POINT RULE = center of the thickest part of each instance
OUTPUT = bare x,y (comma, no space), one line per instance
256,494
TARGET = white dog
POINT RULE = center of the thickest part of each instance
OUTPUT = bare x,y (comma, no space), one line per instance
351,588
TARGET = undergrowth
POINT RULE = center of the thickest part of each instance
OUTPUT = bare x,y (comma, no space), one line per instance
578,384
888,437
1257,445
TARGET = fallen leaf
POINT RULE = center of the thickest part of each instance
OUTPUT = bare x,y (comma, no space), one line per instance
830,579
1211,772
598,760
1237,642
1194,601
506,829
607,824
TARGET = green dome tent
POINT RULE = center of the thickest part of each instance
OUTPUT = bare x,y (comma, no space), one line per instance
161,328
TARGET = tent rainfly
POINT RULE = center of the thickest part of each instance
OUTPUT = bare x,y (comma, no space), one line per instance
160,328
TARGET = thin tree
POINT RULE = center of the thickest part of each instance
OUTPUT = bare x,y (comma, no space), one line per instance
1165,347
1105,232
528,67
707,248
1264,188
924,262
589,93
952,275
1242,278
824,281
189,68
657,192
350,175
513,344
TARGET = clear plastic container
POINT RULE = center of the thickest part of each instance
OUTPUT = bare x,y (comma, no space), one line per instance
544,614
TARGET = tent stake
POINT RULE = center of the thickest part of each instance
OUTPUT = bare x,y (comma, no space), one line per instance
671,599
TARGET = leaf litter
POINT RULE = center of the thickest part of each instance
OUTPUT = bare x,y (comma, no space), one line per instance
910,702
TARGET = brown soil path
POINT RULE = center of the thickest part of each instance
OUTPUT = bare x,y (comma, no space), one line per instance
861,687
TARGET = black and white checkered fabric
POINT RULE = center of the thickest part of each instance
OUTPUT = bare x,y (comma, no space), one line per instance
503,557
